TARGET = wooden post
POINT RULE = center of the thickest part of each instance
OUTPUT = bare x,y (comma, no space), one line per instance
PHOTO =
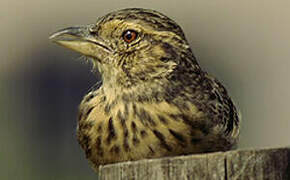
272,164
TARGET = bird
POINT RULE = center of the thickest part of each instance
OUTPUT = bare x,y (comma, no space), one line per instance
154,100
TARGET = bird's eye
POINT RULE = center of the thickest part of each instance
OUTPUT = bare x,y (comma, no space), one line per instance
129,35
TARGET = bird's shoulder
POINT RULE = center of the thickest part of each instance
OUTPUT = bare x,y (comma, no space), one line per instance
221,106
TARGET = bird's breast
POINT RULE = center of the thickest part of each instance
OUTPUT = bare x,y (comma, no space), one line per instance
114,130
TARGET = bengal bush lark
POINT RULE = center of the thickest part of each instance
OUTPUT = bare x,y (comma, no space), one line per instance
154,99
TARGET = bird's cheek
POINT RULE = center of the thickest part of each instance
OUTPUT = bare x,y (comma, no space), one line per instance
122,47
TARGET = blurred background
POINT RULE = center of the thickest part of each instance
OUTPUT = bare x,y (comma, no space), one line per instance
246,44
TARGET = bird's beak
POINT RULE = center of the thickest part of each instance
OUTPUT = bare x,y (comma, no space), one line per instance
80,40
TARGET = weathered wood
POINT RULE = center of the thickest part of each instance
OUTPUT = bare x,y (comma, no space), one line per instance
273,164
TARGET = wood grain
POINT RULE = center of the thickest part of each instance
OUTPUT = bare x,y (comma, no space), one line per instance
255,164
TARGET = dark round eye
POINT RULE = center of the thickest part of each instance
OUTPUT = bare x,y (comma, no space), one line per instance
129,35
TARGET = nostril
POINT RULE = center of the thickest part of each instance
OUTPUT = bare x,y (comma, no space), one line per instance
93,30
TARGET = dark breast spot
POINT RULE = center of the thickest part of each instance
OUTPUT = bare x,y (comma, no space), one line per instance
125,97
111,130
98,142
85,125
162,119
177,136
135,140
88,152
126,145
84,141
162,140
134,127
89,111
100,128
115,149
103,99
134,110
125,132
143,133
146,118
152,152
121,118
175,117
98,145
126,111
91,96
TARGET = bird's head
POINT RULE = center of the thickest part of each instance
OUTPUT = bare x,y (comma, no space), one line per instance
130,46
